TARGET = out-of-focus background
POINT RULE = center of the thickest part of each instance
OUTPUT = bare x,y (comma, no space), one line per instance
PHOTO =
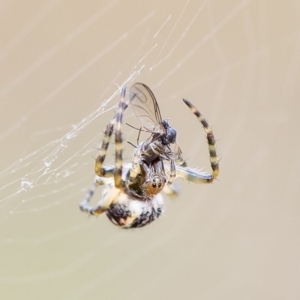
61,64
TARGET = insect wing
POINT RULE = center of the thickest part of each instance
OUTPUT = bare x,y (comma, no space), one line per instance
145,106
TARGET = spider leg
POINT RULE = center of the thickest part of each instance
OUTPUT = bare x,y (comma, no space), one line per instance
135,169
211,143
84,205
99,169
118,140
172,173
193,175
109,195
181,162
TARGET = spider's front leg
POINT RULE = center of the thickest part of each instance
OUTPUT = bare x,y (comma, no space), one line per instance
211,147
99,169
118,141
105,172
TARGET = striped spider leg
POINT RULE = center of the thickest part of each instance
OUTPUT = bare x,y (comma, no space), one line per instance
192,174
103,172
131,195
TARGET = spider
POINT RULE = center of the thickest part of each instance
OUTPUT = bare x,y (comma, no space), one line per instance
132,197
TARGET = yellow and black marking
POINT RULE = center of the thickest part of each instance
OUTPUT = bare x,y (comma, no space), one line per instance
210,139
99,170
84,205
181,162
118,140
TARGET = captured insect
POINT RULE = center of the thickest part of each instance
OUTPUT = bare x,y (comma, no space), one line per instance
162,135
132,197
146,109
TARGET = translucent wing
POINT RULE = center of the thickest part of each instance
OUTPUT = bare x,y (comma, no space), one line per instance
145,106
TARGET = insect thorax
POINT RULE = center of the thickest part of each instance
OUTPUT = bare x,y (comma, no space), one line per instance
151,150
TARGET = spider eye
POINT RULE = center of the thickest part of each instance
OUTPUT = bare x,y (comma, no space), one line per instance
153,185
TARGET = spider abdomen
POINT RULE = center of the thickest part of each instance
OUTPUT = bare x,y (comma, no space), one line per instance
131,213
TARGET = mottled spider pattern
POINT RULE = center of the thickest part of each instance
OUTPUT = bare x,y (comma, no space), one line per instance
131,196
125,207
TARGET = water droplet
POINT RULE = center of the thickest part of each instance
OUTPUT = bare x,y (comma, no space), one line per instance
25,184
48,164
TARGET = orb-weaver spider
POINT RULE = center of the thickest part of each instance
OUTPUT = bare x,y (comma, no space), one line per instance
131,197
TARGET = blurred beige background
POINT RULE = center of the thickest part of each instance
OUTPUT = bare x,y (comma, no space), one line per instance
61,63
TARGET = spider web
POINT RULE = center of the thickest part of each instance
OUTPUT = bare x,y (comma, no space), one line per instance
62,66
